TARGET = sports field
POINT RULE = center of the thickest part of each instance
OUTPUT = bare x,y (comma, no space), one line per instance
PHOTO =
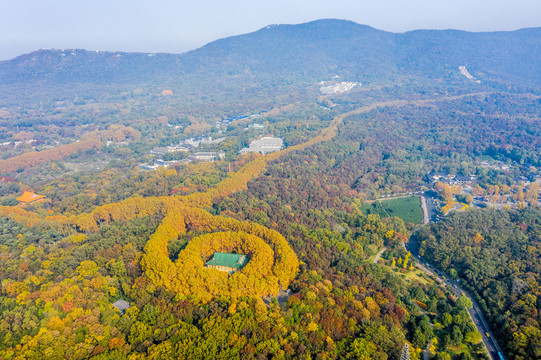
407,209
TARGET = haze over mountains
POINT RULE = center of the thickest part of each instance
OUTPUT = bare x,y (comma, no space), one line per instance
311,51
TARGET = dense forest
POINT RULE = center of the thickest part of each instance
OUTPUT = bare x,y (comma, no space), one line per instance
143,236
498,255
333,245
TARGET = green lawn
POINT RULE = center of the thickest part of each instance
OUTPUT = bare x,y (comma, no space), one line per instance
408,209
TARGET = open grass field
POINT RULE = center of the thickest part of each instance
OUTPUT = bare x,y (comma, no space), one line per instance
407,209
416,275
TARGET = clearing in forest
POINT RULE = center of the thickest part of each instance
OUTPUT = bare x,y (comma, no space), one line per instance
407,209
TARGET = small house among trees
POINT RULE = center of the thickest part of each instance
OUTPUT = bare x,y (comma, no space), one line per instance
227,262
121,305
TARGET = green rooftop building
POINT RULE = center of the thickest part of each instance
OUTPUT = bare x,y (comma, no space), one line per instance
227,262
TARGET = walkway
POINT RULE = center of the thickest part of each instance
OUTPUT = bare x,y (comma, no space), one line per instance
376,259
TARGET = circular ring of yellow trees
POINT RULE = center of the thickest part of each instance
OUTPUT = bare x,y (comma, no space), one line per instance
273,264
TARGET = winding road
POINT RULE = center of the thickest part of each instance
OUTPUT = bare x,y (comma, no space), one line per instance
476,315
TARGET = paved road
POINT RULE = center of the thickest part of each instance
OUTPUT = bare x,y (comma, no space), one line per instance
431,197
426,218
476,316
475,313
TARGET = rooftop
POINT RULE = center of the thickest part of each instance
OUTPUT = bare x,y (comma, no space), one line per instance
264,145
122,305
228,259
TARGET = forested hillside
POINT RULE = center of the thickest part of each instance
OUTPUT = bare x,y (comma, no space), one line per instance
498,255
309,51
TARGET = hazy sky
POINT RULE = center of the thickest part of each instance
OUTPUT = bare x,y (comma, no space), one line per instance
178,25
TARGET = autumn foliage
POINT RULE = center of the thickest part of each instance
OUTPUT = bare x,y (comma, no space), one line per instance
29,219
273,264
59,293
92,140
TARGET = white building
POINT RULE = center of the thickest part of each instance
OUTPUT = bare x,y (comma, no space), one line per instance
207,156
264,145
168,149
201,140
342,87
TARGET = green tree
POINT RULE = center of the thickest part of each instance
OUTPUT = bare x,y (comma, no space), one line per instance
443,356
465,302
361,349
456,335
139,332
419,338
473,337
447,319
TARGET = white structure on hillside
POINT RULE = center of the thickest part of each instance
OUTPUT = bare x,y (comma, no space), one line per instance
207,156
342,87
201,140
264,145
255,126
168,149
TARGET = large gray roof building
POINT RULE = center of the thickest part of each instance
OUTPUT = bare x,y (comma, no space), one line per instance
264,145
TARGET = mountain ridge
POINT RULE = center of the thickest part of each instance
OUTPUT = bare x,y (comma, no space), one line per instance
311,50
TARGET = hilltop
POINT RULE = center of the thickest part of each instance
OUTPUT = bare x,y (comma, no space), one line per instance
309,51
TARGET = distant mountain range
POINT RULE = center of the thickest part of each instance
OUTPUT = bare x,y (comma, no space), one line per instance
310,51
